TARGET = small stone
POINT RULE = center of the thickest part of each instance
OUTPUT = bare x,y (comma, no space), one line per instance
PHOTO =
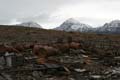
96,76
80,70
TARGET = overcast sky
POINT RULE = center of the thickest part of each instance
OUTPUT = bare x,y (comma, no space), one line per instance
51,13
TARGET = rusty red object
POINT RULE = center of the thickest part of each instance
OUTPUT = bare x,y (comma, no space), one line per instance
44,51
7,48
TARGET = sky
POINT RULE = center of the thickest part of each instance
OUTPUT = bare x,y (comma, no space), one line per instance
52,13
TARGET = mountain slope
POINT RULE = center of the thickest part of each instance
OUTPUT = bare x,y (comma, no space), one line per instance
73,25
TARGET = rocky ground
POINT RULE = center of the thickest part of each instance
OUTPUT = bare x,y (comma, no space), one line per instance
78,65
88,67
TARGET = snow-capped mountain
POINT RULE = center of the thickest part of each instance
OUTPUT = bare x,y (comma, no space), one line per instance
73,25
30,24
112,27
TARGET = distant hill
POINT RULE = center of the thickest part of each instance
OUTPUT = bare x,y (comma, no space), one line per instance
13,33
31,34
30,24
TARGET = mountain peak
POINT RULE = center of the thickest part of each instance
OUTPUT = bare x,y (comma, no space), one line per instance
111,27
115,21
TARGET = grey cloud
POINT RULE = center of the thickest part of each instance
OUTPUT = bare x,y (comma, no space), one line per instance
11,9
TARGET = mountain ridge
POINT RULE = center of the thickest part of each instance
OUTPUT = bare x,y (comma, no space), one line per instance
74,25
